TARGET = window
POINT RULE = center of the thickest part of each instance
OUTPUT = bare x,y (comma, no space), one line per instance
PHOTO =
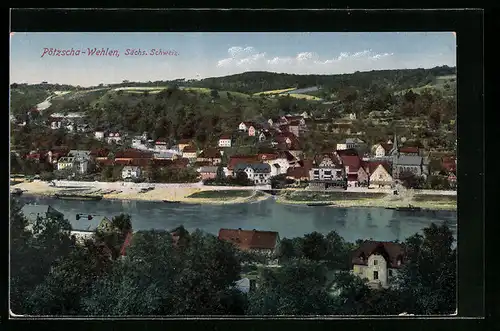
375,275
328,172
375,262
316,172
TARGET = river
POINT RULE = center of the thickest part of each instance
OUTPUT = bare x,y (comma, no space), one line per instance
290,221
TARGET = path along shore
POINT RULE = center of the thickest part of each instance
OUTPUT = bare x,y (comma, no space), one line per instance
181,193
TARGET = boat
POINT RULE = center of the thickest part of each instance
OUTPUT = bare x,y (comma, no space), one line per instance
409,208
319,204
75,196
171,201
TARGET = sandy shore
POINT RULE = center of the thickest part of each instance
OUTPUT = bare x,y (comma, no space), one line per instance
377,203
159,194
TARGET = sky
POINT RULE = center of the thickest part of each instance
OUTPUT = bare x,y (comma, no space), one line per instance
200,55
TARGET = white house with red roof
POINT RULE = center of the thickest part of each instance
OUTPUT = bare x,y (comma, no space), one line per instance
380,175
225,140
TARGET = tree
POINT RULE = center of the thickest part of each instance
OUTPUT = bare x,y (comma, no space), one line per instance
410,180
214,94
35,246
427,280
314,246
298,288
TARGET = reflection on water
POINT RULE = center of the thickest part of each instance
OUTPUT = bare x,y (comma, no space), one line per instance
289,221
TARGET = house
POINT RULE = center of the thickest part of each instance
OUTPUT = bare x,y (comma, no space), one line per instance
298,173
344,128
261,242
288,139
259,173
351,143
183,143
352,165
278,163
378,262
114,137
75,164
165,155
449,163
382,149
106,226
131,172
99,135
249,127
161,144
190,152
406,163
225,140
212,155
294,127
127,155
265,135
237,159
409,151
327,172
56,153
352,116
299,120
209,172
380,174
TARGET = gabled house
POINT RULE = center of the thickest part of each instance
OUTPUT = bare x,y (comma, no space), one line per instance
278,163
249,127
351,143
161,144
208,172
259,173
211,155
225,140
183,143
352,164
131,172
265,135
190,152
237,159
327,172
382,149
260,242
378,262
114,137
298,173
380,175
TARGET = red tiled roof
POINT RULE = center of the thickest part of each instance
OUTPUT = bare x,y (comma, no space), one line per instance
352,177
307,164
250,239
408,150
386,147
390,250
210,153
298,172
225,136
101,152
350,151
353,161
178,163
294,123
133,154
189,149
267,156
374,164
234,160
202,163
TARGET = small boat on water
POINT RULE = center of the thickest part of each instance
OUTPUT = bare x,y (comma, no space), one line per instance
319,204
409,208
76,196
171,201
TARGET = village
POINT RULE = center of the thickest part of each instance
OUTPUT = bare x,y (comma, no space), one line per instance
350,165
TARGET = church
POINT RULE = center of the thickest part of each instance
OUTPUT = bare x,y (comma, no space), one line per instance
406,160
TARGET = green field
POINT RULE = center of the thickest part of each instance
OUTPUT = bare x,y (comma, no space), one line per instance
304,96
331,196
222,194
436,198
276,91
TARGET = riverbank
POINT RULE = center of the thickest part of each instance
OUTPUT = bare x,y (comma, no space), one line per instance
378,200
115,191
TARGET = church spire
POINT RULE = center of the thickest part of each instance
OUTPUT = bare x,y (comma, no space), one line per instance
395,142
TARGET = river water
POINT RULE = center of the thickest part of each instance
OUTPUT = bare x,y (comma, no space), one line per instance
289,220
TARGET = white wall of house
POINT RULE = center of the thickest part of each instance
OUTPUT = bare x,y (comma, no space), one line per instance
283,166
99,135
380,175
325,173
189,155
376,271
242,127
224,142
380,151
257,177
131,172
341,147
